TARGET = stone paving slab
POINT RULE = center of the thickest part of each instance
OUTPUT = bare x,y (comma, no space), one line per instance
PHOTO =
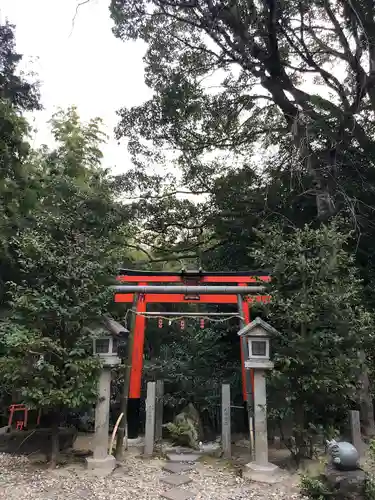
176,479
181,449
183,457
176,494
177,467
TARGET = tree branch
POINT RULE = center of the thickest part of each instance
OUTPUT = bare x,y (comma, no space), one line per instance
79,5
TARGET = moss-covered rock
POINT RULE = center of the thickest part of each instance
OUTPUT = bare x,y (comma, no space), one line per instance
186,429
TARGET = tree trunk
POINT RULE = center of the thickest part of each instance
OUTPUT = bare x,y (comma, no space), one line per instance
365,400
55,445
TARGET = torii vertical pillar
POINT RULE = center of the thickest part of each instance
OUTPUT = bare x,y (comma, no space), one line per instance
136,369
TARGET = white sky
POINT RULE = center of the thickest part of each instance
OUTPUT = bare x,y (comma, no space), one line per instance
88,67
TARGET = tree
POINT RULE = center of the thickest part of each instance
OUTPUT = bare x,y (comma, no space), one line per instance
66,259
229,76
316,306
18,187
15,89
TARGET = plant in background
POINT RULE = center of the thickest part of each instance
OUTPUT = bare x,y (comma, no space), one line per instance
193,364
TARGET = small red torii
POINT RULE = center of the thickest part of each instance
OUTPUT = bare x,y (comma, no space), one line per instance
21,424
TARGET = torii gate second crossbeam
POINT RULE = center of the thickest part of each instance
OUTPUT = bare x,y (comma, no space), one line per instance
197,287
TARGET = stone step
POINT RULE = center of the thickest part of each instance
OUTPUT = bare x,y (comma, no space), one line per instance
182,450
183,457
176,479
176,467
177,494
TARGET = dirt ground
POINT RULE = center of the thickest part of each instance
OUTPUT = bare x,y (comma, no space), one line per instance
138,478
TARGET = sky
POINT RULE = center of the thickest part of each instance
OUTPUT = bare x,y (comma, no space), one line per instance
84,66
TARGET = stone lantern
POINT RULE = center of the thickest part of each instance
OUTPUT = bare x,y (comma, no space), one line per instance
108,340
258,334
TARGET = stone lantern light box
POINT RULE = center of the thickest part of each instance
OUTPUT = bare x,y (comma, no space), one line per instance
109,341
257,335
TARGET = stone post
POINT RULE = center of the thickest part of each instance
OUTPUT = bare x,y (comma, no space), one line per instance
159,410
355,430
101,459
225,421
150,419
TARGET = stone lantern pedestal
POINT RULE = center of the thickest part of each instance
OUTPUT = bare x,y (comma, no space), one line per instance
100,458
257,334
105,345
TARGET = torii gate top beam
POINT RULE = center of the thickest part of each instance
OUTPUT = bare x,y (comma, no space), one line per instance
191,278
204,290
134,276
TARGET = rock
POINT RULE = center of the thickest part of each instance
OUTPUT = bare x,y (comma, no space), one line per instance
187,429
347,485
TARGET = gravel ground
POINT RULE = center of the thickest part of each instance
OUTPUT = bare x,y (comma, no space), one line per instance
138,479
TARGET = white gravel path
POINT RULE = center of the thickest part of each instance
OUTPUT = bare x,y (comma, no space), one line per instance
138,479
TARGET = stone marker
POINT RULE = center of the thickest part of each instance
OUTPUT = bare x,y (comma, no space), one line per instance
176,494
176,480
150,419
225,421
159,410
355,429
176,467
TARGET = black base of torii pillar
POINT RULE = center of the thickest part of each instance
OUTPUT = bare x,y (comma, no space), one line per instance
134,410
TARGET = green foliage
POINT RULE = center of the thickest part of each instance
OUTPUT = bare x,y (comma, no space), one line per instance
370,477
370,487
316,307
314,488
66,257
15,89
193,363
18,184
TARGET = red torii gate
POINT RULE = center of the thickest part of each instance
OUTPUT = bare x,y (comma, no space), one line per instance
187,278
